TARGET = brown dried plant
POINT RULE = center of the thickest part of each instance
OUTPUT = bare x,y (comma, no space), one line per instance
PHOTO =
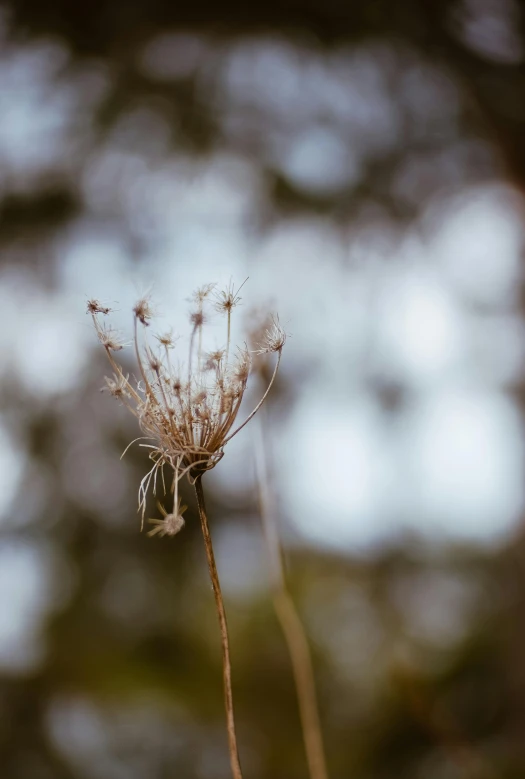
285,609
290,621
187,414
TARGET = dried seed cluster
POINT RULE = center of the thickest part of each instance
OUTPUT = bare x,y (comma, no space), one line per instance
186,412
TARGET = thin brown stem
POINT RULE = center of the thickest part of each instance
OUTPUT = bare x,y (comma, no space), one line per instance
228,339
291,626
219,603
259,404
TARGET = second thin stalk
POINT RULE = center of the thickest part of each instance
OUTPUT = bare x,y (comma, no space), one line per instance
290,622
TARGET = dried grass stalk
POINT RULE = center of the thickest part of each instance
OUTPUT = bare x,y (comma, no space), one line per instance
290,622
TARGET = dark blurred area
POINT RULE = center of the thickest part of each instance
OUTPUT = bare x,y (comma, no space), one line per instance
364,164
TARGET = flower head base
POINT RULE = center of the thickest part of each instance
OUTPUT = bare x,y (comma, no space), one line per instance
187,416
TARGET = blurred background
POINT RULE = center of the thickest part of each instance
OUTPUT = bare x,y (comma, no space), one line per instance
364,165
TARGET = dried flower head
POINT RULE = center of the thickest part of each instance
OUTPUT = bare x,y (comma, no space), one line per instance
227,299
200,294
95,307
118,386
186,423
110,338
154,362
197,318
143,310
272,338
214,359
242,365
167,340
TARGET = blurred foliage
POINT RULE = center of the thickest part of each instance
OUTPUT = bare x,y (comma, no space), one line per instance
452,98
418,651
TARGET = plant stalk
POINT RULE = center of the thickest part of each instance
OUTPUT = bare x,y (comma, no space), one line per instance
221,613
291,624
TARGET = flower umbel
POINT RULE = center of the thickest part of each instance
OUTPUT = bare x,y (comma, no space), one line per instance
187,415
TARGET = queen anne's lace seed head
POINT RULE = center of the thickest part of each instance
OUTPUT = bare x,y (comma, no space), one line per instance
214,359
242,366
110,338
227,299
94,307
201,293
197,318
167,340
118,386
273,337
143,310
186,415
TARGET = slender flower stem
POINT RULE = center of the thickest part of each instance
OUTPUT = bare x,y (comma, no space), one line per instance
291,625
227,672
259,404
228,339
